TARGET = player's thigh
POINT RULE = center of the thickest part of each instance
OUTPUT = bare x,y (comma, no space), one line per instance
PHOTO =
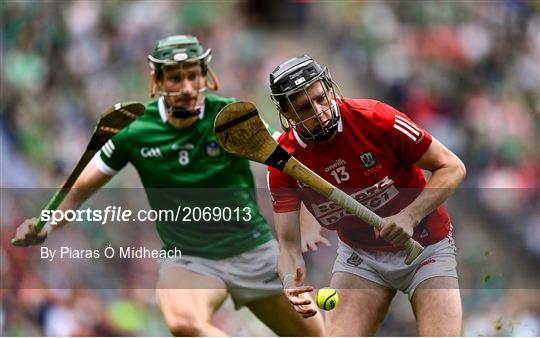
437,306
185,296
363,304
279,315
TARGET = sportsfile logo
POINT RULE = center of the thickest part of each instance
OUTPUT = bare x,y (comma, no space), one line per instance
373,197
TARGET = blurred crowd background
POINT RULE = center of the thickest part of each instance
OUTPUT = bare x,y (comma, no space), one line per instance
467,71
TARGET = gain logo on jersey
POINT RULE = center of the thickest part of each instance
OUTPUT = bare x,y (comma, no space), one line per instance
150,152
212,149
368,160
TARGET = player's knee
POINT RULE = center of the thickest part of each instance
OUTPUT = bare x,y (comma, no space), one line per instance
442,318
183,324
364,323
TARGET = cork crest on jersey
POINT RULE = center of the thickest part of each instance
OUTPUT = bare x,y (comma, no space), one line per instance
368,160
369,163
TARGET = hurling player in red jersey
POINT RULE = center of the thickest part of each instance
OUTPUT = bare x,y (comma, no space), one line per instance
375,154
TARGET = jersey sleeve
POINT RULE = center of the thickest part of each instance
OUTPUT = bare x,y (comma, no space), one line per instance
283,191
113,156
408,140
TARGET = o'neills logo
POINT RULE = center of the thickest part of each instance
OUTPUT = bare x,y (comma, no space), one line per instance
425,262
336,164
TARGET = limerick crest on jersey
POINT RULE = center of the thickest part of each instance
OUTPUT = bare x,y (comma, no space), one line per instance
212,149
368,160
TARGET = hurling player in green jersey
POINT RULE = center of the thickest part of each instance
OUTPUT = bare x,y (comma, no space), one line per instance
174,150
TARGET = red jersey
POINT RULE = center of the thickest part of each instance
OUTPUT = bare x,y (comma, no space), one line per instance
372,159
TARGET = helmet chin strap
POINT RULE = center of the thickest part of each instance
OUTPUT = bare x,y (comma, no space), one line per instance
180,112
320,136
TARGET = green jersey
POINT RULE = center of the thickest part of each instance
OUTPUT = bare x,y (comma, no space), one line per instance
184,170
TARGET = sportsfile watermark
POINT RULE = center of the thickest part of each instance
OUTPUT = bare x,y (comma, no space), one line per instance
122,214
494,230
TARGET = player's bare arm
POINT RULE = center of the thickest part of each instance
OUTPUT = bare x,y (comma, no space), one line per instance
291,265
448,171
88,182
310,230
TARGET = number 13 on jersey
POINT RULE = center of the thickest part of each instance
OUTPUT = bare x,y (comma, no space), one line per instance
340,174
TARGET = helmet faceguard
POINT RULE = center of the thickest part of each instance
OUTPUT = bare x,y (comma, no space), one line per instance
180,51
294,77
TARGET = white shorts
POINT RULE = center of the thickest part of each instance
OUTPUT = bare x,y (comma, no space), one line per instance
389,269
249,276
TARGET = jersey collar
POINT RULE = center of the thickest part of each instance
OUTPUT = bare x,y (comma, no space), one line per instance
163,110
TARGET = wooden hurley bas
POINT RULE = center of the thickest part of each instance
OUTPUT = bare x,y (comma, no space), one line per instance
240,131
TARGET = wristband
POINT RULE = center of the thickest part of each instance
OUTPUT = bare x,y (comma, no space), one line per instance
288,279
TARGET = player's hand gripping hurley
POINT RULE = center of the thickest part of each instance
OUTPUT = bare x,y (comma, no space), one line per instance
241,132
110,122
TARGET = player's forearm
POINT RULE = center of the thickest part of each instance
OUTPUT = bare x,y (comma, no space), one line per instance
73,201
90,180
288,263
438,189
308,223
290,256
288,235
